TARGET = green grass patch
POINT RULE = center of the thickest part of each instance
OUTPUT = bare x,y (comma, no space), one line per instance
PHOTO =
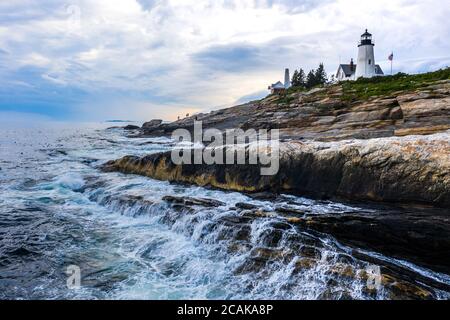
295,90
285,98
365,88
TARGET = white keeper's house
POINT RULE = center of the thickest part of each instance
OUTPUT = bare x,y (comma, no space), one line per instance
365,66
278,87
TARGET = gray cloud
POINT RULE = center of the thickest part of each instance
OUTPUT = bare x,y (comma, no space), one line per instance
197,54
231,58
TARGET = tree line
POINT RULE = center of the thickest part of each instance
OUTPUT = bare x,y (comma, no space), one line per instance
312,79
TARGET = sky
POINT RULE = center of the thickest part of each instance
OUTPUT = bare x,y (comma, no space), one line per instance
94,60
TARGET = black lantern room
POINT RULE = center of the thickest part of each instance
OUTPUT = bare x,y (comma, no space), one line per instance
366,39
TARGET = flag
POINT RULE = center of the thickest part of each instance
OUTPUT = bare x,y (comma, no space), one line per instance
391,56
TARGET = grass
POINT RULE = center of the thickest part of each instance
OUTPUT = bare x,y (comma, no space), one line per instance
295,89
365,88
287,96
287,99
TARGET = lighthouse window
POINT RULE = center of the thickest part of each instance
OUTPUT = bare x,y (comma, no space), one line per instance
370,61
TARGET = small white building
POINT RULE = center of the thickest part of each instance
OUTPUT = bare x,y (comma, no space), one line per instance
365,66
279,87
346,71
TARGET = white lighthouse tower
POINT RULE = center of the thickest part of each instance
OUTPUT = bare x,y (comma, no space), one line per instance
365,66
287,79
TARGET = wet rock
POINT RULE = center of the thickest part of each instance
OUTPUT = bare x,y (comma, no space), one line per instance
270,237
189,201
391,270
311,252
251,265
332,294
290,211
419,237
257,214
343,270
153,124
245,206
401,290
259,259
345,258
131,127
242,233
294,220
235,219
268,253
263,195
303,264
134,205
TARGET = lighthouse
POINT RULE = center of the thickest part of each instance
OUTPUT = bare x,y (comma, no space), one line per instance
365,66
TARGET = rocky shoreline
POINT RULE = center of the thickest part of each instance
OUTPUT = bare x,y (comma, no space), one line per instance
393,148
413,169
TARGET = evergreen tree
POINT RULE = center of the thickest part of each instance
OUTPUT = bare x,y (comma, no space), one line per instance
311,79
301,78
320,75
295,80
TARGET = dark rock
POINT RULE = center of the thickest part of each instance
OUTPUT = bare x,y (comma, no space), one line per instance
263,195
131,127
188,201
310,252
422,237
290,211
245,206
152,124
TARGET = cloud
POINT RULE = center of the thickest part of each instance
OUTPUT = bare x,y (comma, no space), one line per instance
73,60
231,58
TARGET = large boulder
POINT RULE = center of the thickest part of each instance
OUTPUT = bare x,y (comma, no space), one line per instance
131,127
152,124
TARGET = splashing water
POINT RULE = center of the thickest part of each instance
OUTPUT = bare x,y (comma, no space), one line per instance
57,209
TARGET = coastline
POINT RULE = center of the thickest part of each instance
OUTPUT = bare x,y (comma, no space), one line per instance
392,150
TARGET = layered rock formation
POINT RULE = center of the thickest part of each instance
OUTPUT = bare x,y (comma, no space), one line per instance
327,114
413,169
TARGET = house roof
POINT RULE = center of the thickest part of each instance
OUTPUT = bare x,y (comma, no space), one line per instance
378,70
277,85
347,70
